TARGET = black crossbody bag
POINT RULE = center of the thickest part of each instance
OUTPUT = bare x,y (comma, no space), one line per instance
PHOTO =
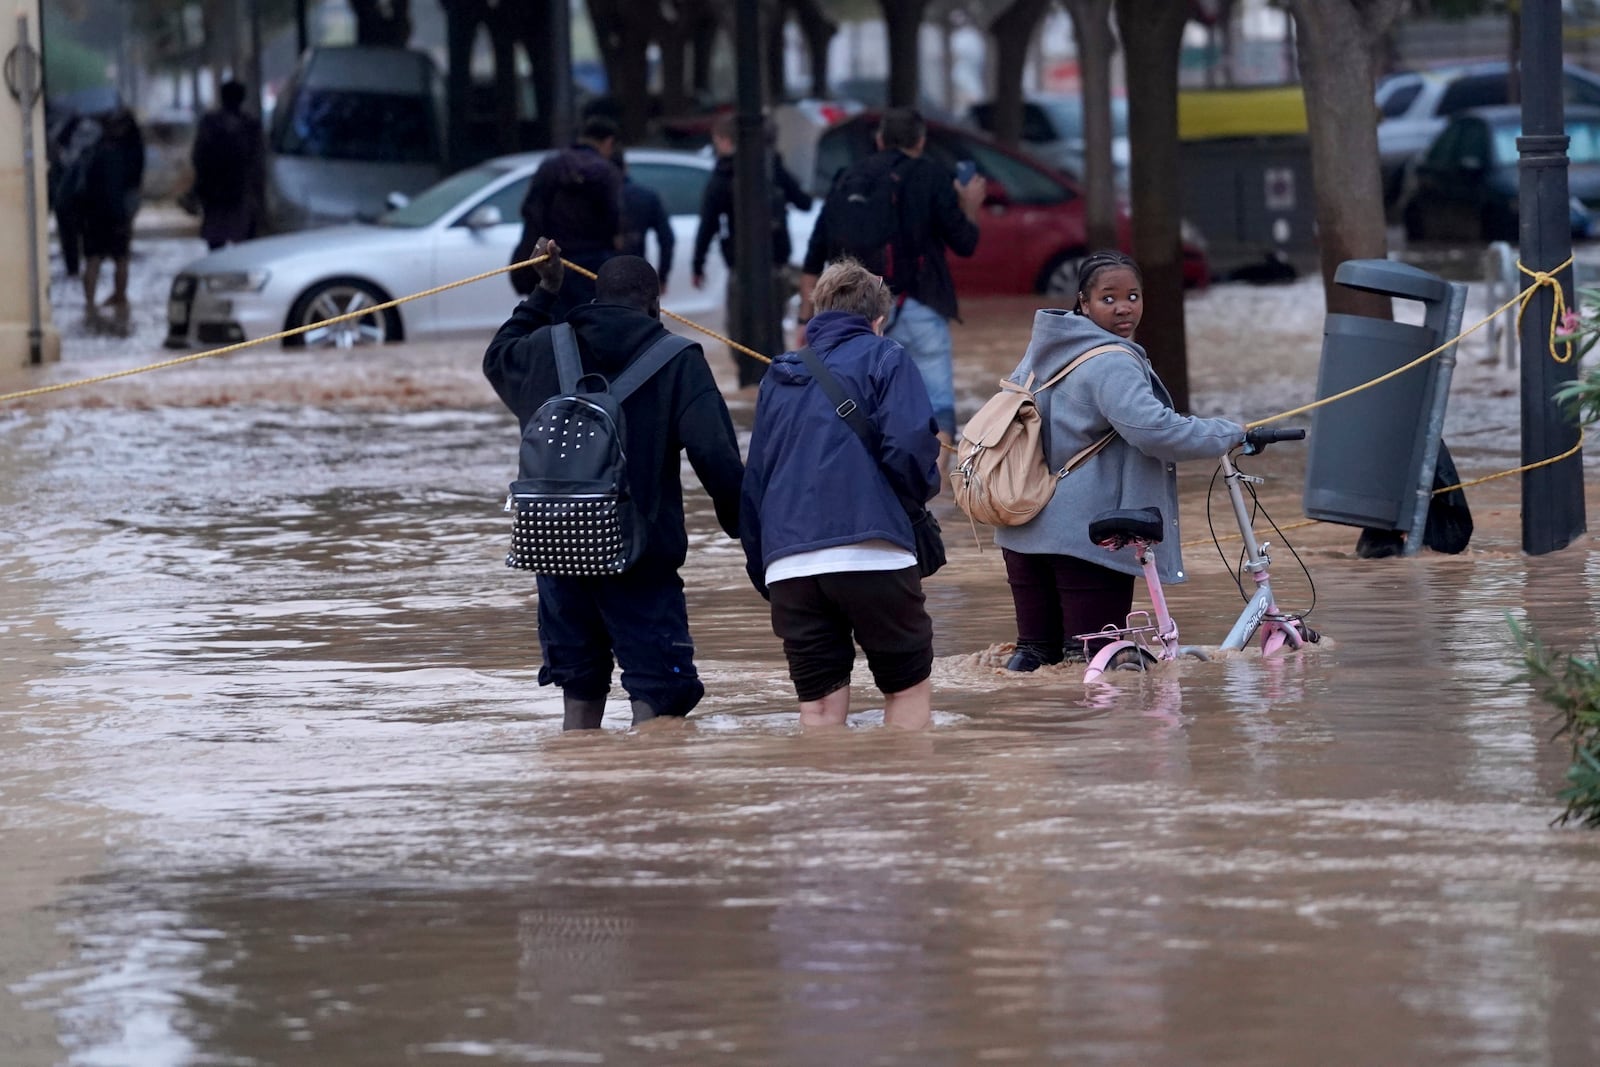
924,527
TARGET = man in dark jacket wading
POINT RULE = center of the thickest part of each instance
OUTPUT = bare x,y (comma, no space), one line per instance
935,213
639,615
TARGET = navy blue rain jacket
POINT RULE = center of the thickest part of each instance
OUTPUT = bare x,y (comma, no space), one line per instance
809,481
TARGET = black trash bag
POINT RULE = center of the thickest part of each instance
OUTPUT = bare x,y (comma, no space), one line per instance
1449,525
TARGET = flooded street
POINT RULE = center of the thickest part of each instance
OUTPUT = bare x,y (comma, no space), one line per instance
280,787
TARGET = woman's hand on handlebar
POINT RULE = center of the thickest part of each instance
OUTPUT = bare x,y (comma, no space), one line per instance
1259,438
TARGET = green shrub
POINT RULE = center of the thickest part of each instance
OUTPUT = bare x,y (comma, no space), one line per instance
1571,685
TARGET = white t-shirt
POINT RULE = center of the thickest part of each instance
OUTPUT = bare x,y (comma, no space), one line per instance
876,555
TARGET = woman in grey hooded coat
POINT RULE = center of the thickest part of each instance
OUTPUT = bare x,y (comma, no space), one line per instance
1062,584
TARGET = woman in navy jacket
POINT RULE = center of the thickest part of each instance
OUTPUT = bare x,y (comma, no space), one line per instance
823,517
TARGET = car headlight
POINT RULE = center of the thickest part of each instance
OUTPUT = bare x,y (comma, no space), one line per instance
236,281
1190,234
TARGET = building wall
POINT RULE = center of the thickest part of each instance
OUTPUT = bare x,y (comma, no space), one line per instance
16,228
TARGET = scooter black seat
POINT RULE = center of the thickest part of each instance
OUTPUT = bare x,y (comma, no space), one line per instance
1114,529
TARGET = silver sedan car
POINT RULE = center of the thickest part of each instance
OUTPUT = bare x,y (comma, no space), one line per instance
466,224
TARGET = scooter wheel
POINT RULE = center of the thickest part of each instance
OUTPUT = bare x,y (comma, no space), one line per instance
1131,659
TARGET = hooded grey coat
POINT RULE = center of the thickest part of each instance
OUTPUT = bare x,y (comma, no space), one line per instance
1136,470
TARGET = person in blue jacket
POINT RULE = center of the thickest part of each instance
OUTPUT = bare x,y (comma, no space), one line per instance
825,533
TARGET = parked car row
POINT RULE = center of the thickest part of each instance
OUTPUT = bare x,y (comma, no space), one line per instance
465,225
1033,239
1466,185
1414,107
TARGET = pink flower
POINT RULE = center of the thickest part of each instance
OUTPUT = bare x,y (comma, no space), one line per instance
1569,322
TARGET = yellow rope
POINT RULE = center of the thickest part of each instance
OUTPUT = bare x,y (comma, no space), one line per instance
1568,454
1558,306
296,331
1521,300
1541,278
347,316
714,335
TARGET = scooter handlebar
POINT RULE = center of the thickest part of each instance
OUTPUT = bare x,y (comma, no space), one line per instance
1257,439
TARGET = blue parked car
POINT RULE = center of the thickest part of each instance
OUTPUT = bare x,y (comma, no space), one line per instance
1464,188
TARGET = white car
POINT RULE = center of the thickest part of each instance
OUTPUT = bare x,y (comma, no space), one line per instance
1414,107
465,225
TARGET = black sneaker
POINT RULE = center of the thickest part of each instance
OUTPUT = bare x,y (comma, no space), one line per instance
1031,658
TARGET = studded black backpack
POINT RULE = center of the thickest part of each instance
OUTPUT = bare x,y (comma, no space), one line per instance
573,512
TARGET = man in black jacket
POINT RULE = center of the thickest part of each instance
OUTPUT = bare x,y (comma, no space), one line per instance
936,213
640,615
717,222
575,199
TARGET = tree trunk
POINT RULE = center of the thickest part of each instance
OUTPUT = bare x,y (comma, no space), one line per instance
462,18
1096,44
623,29
385,23
527,23
1013,30
774,21
703,40
1151,32
1339,41
672,37
902,21
818,30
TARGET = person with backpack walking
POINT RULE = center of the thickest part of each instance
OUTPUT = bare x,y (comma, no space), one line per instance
897,212
718,222
824,519
574,199
638,615
229,179
1062,584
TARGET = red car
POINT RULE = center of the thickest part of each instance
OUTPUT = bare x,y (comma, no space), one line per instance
1033,226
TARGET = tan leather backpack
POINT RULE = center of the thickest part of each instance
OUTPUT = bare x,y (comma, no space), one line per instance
1001,476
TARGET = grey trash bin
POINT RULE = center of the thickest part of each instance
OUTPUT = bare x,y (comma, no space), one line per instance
1367,451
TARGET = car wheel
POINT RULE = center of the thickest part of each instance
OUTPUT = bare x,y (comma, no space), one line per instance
1061,276
1411,218
336,297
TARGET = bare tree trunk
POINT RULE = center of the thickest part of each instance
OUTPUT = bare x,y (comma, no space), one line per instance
774,20
382,22
1096,44
673,39
1151,32
1339,41
818,30
902,19
703,39
1013,31
624,29
462,18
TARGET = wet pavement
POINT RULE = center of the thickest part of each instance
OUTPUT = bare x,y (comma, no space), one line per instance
280,787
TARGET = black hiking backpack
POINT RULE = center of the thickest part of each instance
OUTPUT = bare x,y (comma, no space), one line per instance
863,211
573,512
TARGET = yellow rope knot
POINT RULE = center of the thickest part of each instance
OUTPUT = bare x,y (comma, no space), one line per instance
1558,309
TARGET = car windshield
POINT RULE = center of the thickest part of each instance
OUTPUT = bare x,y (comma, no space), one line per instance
434,202
348,124
1583,148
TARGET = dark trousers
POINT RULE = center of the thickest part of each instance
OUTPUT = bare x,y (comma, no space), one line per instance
639,617
70,233
1059,597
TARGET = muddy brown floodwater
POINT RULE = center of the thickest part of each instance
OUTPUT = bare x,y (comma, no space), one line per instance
279,786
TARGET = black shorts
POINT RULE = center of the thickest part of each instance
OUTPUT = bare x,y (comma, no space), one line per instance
817,617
